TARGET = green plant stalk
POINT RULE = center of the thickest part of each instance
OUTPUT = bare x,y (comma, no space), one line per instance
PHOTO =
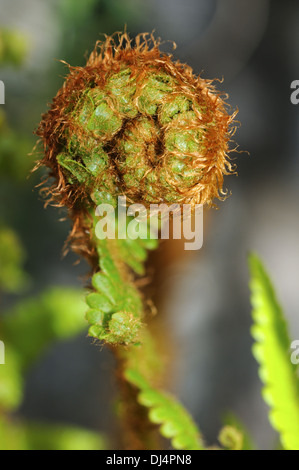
117,316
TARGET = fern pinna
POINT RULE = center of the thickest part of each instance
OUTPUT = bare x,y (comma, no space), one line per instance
133,123
272,351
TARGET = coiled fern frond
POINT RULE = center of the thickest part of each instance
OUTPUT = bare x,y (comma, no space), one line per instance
133,122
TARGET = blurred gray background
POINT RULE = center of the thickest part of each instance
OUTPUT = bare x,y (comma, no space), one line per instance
254,46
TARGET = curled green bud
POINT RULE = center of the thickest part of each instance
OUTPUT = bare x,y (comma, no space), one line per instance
134,122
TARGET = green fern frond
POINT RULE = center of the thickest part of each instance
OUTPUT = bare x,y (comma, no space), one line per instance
175,423
232,421
116,314
116,306
231,438
272,351
132,123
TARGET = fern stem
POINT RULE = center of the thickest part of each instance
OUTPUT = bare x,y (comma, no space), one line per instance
117,316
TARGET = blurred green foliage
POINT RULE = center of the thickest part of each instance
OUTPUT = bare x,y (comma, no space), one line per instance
13,47
49,437
12,256
34,324
15,161
76,12
27,330
16,436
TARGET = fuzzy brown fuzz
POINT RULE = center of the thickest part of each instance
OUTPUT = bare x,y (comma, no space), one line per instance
150,176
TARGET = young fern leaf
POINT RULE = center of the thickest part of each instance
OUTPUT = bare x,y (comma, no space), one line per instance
133,122
231,438
116,316
116,306
231,421
175,423
272,351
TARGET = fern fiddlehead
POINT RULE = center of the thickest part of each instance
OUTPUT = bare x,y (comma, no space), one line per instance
133,122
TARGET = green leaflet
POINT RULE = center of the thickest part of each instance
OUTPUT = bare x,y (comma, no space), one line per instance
272,351
116,306
175,423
